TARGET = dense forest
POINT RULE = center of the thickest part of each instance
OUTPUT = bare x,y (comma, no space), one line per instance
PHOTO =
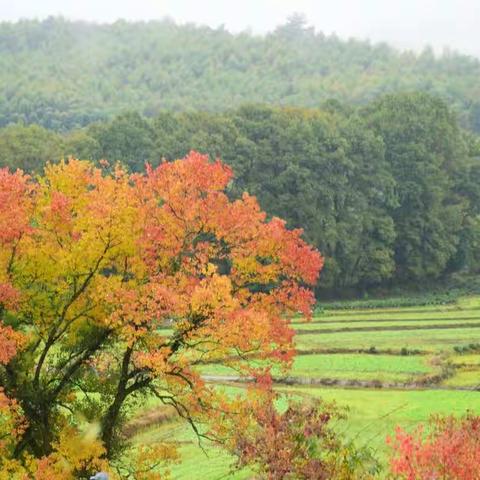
62,74
388,191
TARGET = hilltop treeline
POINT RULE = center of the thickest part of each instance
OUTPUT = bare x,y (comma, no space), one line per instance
63,74
389,192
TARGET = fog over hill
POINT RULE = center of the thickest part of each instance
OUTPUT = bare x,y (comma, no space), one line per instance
64,74
409,24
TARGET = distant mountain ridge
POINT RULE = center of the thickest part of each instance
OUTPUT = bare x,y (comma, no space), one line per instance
64,74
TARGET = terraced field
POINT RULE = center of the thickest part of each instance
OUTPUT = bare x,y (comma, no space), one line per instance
425,340
345,367
388,366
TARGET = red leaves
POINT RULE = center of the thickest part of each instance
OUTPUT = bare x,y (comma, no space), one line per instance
138,311
194,175
60,208
15,205
296,444
9,296
188,215
450,451
15,210
299,259
10,340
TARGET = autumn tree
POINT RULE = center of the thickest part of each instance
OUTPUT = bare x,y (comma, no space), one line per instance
298,442
449,448
114,286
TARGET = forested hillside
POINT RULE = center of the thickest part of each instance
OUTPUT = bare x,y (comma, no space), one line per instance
389,191
63,74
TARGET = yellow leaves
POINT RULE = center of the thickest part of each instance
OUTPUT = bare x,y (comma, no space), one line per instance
209,269
156,360
251,269
12,424
5,256
150,462
73,452
69,177
79,450
83,218
246,267
13,470
213,294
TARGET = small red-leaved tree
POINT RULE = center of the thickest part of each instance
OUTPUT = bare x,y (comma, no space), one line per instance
113,287
450,450
297,442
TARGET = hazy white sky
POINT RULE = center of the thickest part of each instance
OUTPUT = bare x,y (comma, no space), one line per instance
404,23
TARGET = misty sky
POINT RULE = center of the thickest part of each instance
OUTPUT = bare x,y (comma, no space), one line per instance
403,23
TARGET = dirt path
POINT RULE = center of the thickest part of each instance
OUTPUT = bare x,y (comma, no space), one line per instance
334,382
385,329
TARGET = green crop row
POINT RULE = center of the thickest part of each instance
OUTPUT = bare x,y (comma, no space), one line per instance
446,298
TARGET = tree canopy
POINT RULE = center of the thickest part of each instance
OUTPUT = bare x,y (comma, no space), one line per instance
113,287
388,192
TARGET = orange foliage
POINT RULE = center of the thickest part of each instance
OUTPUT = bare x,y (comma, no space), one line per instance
451,450
99,263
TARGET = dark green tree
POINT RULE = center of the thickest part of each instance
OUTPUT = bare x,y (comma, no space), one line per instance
422,145
29,147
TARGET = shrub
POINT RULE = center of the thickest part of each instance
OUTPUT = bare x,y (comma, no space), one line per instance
445,298
471,347
451,450
300,443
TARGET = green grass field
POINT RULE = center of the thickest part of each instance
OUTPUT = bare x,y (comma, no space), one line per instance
449,377
365,366
373,414
213,463
386,326
428,340
347,367
386,322
391,315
